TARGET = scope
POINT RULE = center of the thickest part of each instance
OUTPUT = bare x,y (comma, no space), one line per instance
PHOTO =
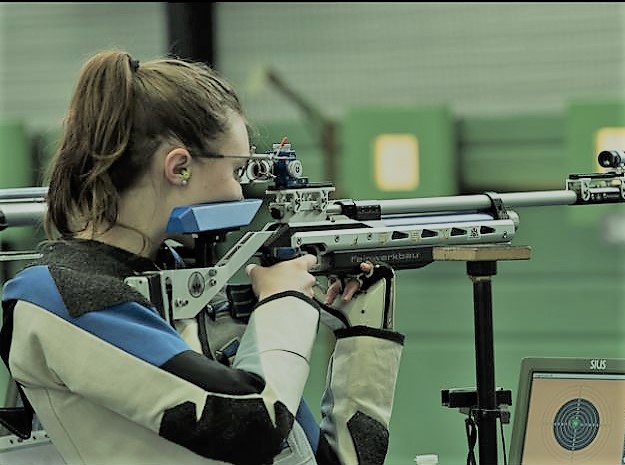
611,158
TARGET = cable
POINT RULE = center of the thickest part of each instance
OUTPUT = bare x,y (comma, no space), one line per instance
503,442
471,438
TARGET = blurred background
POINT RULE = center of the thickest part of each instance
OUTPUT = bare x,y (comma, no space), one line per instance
472,97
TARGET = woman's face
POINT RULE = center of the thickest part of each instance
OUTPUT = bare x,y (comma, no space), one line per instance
215,179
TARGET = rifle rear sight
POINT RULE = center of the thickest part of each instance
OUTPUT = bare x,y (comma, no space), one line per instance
279,165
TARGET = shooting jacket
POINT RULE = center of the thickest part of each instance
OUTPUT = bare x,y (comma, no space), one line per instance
113,383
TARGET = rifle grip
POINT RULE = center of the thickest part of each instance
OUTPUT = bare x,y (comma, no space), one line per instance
279,254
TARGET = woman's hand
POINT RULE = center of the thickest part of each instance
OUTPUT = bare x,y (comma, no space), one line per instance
352,285
289,275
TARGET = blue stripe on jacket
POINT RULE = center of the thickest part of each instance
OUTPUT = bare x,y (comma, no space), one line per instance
129,326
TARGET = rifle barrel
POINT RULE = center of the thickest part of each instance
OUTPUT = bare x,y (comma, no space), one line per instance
26,206
22,206
466,202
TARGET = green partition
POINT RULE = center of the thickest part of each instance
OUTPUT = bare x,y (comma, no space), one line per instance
16,163
45,144
512,153
398,152
16,170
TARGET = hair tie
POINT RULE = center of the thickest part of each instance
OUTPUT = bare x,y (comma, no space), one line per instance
134,65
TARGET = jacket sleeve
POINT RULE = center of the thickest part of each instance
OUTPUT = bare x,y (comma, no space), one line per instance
277,344
127,358
358,400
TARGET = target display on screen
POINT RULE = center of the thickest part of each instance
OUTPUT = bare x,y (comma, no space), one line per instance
575,420
576,424
570,418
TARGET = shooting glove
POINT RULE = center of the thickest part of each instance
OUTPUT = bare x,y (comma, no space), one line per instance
372,305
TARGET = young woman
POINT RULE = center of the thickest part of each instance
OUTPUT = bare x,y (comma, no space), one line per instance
110,380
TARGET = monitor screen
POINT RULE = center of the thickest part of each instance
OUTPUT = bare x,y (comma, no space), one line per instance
569,411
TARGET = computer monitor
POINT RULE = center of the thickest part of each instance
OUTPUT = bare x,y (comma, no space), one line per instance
569,411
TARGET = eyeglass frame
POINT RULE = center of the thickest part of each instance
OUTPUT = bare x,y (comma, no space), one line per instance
253,156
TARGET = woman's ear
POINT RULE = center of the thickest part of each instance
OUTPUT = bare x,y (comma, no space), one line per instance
177,166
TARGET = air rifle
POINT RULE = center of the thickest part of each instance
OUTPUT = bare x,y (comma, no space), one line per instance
341,233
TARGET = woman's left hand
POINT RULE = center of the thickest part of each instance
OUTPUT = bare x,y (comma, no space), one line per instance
352,285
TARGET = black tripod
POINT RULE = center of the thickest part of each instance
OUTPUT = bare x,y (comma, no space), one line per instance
485,403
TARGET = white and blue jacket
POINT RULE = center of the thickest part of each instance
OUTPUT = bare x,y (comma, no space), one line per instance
114,384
